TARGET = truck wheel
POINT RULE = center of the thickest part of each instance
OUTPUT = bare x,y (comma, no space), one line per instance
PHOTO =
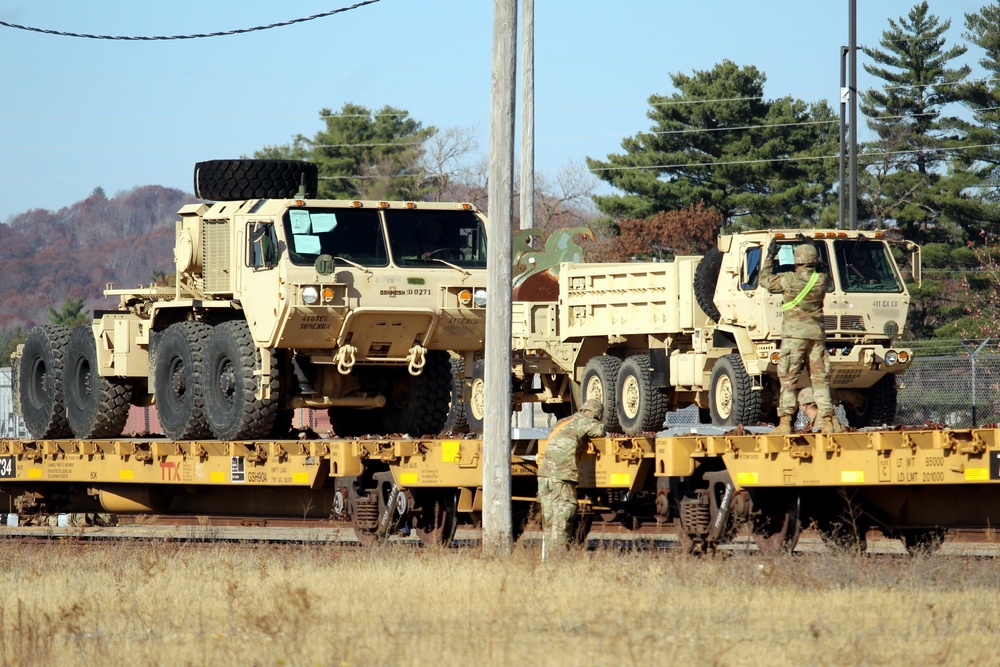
232,410
732,399
227,180
600,381
96,406
177,381
419,404
879,405
706,277
456,423
40,382
475,409
641,407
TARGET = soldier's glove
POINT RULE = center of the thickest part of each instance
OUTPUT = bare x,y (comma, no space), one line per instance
772,250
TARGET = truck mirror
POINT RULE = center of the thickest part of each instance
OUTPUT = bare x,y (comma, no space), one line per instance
263,249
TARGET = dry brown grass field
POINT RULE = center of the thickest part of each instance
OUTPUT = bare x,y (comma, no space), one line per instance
166,603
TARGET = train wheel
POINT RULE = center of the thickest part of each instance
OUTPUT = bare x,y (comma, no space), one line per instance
177,379
232,410
40,382
641,407
775,524
922,541
600,381
475,410
438,519
96,406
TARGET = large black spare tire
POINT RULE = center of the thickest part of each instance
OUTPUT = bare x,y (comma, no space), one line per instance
706,277
228,180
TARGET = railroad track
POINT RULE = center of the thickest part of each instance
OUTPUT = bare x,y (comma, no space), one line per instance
284,530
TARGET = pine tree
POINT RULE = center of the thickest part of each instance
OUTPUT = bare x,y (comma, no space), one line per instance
719,141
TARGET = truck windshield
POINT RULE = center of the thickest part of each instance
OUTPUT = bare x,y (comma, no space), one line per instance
351,234
420,237
866,266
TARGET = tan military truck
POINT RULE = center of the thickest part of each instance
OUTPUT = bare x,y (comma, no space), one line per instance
281,301
646,338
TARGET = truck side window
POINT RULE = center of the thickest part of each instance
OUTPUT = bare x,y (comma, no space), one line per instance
751,268
263,246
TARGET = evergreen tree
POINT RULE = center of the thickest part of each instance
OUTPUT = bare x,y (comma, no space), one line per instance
983,153
719,142
71,314
909,174
363,154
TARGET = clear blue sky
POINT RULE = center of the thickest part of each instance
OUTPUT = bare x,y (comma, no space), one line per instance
80,113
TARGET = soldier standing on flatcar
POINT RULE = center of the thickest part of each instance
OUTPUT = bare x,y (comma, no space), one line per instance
803,338
558,474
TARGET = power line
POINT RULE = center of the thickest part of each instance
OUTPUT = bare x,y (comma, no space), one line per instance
145,38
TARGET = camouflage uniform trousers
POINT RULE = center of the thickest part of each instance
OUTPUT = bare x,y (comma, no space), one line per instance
557,498
796,355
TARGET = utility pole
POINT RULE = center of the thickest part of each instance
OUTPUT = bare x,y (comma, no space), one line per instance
528,140
497,522
845,96
852,46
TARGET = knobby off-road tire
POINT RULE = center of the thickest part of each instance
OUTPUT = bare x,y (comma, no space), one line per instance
706,278
600,381
455,422
177,381
229,385
879,405
96,406
732,399
641,407
226,180
475,409
419,404
40,382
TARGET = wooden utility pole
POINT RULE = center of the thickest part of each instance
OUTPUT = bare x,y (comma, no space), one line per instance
497,524
528,140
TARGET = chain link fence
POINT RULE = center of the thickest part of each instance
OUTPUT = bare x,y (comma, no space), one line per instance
955,383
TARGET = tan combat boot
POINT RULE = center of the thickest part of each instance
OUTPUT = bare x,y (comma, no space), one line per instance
784,426
831,425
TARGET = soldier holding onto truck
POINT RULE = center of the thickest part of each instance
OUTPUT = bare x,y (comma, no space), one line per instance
558,474
803,338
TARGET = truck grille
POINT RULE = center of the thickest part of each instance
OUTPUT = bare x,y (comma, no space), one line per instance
850,323
215,244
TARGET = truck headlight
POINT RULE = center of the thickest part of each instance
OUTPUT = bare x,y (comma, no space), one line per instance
891,358
479,298
310,295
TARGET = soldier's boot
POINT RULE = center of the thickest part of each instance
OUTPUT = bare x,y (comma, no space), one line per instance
831,425
784,426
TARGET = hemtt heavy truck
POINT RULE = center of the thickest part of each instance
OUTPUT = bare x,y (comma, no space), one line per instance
281,301
646,338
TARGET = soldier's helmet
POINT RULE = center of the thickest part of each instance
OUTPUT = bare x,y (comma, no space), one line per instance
806,396
594,407
806,254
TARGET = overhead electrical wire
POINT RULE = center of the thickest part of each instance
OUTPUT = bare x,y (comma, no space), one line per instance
224,33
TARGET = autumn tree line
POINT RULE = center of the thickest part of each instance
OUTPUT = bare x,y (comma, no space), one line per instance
719,156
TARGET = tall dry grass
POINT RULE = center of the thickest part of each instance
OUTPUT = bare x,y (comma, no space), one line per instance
67,603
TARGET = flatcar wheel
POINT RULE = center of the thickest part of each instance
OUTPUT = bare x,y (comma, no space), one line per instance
776,525
438,520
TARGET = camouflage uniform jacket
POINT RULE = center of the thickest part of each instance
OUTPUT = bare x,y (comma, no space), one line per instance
566,443
804,320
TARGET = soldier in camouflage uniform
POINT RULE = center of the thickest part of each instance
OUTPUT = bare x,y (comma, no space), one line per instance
803,338
558,473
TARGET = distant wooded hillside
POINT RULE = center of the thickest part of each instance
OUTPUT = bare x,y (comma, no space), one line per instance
49,256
